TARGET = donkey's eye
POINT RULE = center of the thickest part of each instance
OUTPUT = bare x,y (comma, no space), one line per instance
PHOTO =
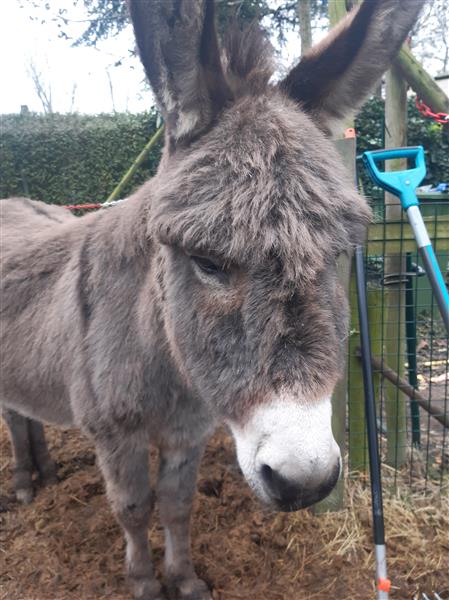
207,266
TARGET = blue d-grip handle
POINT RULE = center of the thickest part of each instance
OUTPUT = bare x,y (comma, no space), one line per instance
400,183
403,184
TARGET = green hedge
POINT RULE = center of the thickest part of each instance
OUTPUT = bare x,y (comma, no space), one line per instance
67,159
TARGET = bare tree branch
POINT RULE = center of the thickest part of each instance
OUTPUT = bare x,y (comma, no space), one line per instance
42,89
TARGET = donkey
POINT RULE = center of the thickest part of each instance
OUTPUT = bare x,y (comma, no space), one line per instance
211,295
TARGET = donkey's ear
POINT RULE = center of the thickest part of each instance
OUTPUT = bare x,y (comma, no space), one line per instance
178,47
335,76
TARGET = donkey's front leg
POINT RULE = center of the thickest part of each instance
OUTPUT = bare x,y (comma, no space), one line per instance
125,466
176,488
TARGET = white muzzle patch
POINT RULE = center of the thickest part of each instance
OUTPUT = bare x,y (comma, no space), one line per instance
293,440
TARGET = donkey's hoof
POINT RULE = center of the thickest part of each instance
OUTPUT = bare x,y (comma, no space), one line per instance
50,480
146,589
191,588
22,484
47,473
25,495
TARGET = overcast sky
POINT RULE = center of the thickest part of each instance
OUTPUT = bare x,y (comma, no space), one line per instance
80,78
23,41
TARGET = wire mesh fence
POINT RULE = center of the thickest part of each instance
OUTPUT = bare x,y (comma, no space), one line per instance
410,354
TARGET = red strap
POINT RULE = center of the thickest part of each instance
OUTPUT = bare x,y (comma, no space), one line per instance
82,206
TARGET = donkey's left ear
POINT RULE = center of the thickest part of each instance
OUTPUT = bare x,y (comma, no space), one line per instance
335,76
178,47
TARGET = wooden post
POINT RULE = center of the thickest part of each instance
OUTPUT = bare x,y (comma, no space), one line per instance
358,442
335,500
305,26
357,445
337,10
347,150
421,82
394,333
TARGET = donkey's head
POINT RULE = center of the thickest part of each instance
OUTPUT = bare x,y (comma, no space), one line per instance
251,212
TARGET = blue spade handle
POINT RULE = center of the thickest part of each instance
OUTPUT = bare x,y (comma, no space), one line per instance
400,183
403,184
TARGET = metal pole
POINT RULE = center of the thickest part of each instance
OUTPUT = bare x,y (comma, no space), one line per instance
430,262
382,582
410,328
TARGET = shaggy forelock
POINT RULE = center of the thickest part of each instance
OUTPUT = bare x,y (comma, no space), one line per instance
263,183
247,57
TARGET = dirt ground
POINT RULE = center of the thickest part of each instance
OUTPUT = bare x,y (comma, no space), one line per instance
66,545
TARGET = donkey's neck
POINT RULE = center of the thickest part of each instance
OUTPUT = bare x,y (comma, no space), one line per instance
119,233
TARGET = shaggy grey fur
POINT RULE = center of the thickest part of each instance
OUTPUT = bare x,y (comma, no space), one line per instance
114,323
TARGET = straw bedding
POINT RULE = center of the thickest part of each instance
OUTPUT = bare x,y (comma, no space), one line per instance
66,545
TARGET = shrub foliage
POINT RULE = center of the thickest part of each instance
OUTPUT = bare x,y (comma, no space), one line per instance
71,159
421,132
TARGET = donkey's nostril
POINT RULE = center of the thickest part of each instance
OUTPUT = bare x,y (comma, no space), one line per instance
267,473
289,494
278,486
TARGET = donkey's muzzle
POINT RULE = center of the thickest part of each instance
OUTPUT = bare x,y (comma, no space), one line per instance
288,496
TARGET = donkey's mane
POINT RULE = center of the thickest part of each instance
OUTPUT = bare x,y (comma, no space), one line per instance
248,59
259,185
277,192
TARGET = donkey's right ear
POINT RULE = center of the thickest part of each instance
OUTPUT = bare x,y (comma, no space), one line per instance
178,47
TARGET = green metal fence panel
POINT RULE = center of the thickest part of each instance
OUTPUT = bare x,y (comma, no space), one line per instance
409,338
